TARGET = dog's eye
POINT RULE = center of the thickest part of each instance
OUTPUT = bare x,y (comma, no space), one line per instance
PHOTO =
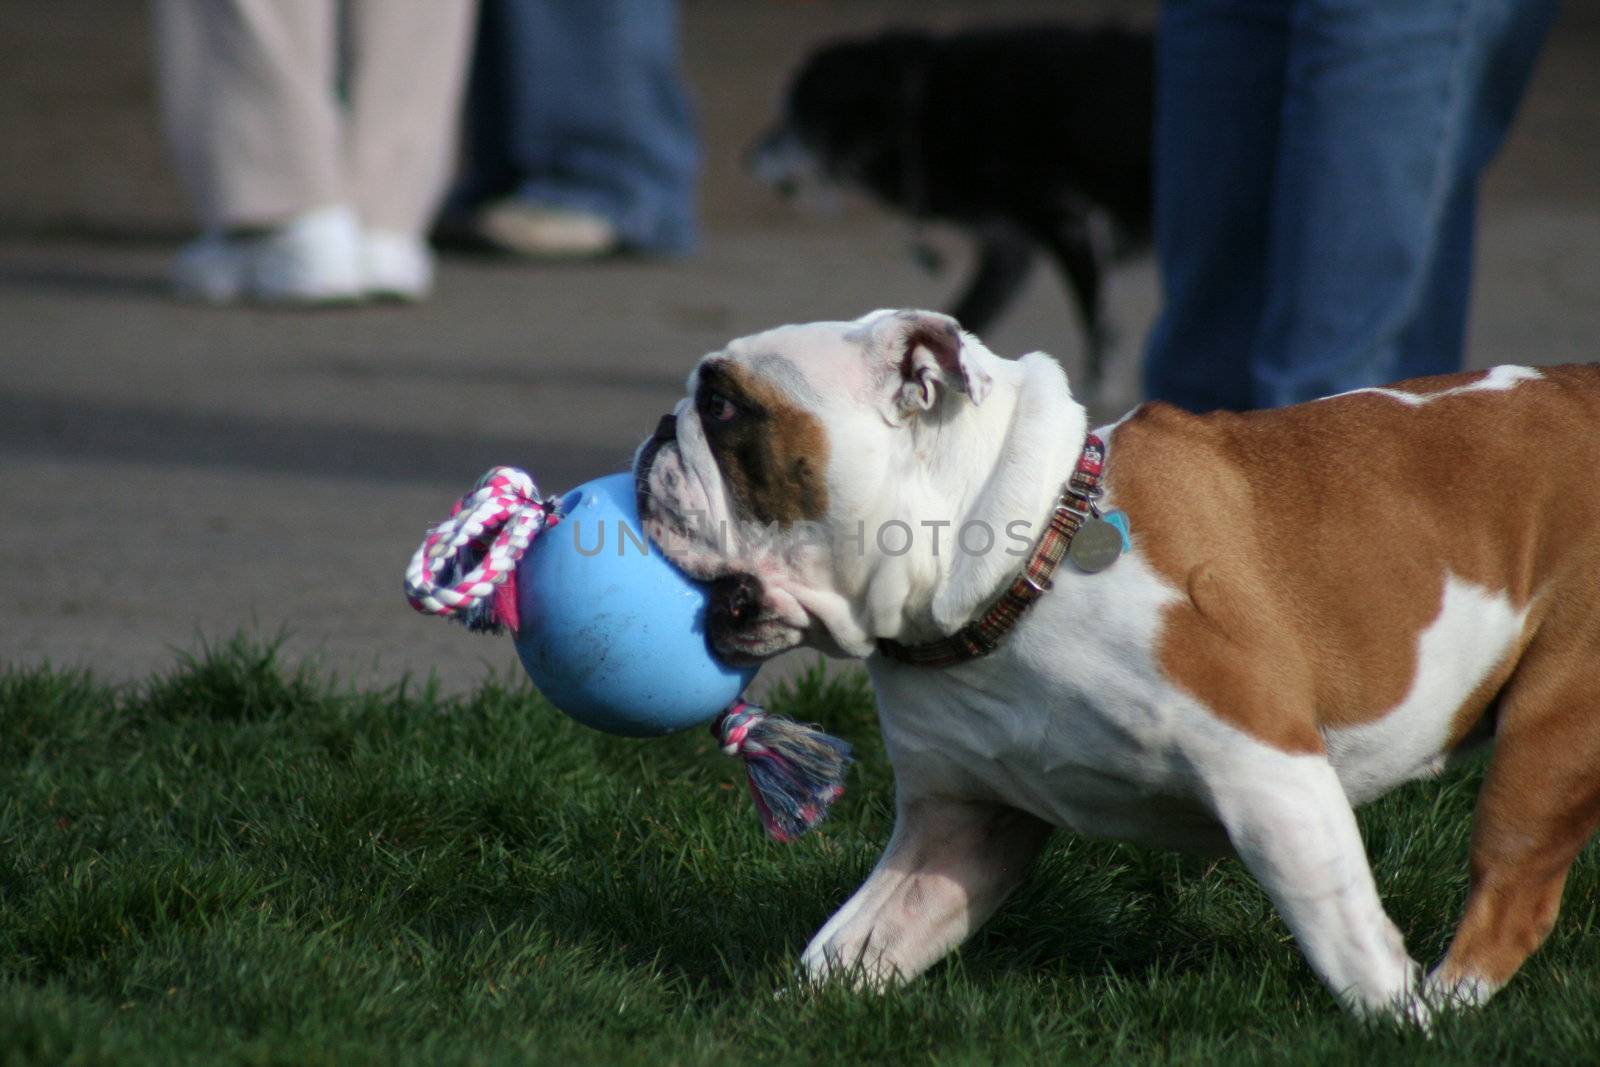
719,408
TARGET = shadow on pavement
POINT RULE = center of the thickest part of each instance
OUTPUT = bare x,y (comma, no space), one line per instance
61,429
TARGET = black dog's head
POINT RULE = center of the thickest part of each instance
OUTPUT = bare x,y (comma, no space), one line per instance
846,116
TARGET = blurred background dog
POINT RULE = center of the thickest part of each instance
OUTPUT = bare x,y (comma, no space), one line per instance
1028,138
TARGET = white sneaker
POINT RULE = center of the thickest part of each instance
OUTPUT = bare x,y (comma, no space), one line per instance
211,270
314,258
544,232
395,266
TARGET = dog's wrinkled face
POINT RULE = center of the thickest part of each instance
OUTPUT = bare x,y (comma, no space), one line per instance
785,439
724,483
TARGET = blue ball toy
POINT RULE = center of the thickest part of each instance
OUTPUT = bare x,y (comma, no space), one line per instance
611,632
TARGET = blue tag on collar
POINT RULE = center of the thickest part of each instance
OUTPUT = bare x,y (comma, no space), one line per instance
1120,521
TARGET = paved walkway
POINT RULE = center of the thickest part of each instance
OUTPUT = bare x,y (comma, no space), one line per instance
169,475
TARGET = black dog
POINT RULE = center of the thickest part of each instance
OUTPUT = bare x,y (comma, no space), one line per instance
1028,137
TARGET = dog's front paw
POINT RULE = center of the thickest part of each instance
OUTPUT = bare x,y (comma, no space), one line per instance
1416,1005
860,965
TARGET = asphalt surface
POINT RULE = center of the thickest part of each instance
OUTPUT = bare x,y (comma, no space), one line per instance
170,475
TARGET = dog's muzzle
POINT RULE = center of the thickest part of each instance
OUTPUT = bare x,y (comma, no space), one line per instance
740,621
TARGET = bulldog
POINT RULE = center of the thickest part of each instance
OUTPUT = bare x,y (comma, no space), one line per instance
1298,611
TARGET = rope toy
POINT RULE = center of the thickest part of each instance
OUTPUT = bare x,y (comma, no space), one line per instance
463,567
466,569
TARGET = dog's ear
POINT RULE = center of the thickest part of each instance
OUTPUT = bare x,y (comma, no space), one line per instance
924,353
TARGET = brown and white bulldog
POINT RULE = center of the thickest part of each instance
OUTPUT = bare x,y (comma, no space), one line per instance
1316,605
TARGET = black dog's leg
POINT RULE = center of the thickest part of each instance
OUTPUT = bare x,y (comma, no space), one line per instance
1005,256
1082,254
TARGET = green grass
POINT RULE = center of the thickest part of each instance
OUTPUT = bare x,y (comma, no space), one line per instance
236,863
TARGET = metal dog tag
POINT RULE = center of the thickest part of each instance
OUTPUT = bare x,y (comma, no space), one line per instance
1095,546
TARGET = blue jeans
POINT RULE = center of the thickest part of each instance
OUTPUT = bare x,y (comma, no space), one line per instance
580,104
1317,165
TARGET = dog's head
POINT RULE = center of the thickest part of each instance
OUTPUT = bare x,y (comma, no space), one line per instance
774,476
846,116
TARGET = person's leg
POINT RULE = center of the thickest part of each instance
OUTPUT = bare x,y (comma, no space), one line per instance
487,169
1510,36
597,116
246,92
1374,120
408,63
1433,337
1220,67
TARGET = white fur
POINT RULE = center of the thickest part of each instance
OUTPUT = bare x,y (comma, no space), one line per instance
1071,722
1471,635
1495,380
1468,991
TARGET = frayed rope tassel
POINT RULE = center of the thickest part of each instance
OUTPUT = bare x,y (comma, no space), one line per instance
796,771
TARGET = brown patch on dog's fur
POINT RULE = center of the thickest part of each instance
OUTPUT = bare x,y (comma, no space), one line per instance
773,455
1311,545
1296,535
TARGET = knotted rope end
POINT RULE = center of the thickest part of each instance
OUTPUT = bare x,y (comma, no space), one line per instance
795,770
465,568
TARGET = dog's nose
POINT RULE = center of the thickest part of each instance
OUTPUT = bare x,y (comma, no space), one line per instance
736,599
667,428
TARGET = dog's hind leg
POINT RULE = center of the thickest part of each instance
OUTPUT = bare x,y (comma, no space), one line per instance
1005,258
1539,805
946,869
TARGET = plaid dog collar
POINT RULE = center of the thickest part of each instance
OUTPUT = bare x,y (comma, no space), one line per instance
1075,527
